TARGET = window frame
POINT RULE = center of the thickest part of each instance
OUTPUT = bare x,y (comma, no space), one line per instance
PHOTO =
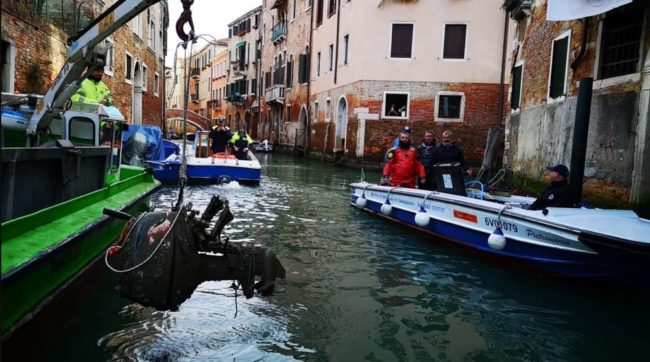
566,34
461,112
145,76
346,47
109,68
384,105
390,42
128,70
444,37
156,83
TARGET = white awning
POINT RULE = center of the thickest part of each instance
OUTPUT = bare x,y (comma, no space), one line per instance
560,10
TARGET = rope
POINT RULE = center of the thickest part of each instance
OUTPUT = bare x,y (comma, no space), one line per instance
182,175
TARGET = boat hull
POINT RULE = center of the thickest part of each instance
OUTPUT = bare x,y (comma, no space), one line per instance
32,282
549,246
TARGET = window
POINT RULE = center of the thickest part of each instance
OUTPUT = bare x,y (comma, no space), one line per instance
328,106
81,131
454,43
395,105
331,8
288,119
289,72
303,68
151,40
401,44
319,12
331,57
128,76
346,44
515,99
318,64
293,11
559,60
156,83
450,106
145,77
316,111
137,25
109,68
621,43
8,63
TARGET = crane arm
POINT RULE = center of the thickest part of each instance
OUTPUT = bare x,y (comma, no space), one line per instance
81,54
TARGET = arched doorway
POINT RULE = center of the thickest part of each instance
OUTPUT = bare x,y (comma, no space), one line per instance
303,119
136,110
247,122
341,125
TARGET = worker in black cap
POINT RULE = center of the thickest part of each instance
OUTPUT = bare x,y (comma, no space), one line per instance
558,193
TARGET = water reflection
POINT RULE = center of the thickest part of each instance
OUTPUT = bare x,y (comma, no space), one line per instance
357,288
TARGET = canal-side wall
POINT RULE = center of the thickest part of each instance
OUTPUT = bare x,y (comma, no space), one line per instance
540,132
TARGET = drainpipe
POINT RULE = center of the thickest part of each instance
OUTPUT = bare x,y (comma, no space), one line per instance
164,83
338,26
308,75
504,51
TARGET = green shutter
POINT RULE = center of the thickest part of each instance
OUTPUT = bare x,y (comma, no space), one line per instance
516,88
558,68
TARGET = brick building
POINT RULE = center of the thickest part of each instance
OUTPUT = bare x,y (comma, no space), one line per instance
34,51
552,57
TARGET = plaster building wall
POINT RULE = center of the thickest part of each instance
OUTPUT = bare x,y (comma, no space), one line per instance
285,113
539,130
219,71
363,75
241,91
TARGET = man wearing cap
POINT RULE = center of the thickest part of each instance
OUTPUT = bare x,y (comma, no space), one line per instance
93,90
403,165
558,193
219,136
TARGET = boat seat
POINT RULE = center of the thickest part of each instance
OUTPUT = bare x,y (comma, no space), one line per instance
223,155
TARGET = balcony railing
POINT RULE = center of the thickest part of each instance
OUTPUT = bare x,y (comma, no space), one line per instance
279,32
275,94
195,71
214,104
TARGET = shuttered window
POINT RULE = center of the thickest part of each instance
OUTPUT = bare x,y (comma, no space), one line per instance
454,46
558,67
303,68
515,100
401,45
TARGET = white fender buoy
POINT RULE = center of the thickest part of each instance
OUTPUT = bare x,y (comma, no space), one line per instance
386,208
362,201
422,218
497,240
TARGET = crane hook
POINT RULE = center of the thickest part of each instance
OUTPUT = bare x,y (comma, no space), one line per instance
186,17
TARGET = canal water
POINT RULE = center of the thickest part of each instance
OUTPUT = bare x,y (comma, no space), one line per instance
357,288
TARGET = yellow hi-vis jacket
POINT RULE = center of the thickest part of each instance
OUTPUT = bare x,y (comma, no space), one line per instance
93,92
237,136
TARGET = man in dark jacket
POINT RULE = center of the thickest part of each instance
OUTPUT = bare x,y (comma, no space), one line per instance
219,136
448,152
558,193
425,152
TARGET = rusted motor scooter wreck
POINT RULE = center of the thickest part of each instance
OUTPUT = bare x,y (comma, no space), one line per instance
163,256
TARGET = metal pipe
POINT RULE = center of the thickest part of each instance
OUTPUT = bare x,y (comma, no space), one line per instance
504,50
336,51
580,135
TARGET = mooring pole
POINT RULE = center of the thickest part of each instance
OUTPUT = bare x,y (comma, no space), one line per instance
580,133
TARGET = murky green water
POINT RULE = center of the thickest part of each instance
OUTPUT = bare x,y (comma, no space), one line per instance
358,288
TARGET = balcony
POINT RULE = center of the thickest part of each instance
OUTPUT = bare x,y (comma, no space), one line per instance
195,72
279,32
214,104
519,9
275,94
235,99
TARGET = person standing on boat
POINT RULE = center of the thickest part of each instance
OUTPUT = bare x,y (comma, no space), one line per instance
403,165
240,141
558,193
220,136
448,152
93,89
425,153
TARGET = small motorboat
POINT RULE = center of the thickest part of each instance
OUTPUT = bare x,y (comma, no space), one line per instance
221,167
576,242
264,146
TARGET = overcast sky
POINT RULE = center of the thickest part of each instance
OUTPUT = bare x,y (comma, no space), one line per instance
210,17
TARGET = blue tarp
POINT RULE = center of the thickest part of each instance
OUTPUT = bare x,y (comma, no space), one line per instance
142,142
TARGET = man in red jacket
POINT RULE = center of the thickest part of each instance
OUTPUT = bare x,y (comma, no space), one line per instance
402,165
